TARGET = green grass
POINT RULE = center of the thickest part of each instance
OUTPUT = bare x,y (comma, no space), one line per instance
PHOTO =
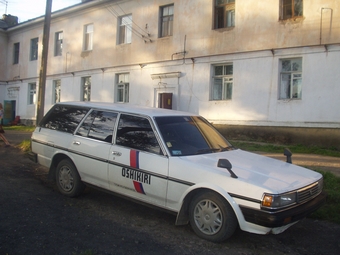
20,128
25,145
330,210
278,148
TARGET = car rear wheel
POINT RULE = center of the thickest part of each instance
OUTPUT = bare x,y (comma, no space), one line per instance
211,217
68,179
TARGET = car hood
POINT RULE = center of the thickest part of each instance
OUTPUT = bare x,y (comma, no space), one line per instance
270,174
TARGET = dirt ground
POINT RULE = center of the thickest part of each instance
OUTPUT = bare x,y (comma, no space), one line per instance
36,219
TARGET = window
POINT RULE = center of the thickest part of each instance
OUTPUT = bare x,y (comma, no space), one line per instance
136,132
222,87
32,93
16,50
58,44
34,49
291,78
190,135
88,37
123,88
166,20
224,13
86,88
291,9
125,29
98,125
56,91
63,118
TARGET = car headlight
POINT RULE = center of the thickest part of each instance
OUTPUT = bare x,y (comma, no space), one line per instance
278,201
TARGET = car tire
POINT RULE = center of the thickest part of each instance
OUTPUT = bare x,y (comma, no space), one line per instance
211,217
68,179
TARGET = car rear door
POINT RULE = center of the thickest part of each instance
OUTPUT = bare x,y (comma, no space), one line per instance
91,145
137,166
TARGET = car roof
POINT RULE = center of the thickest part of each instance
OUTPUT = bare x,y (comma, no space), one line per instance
128,108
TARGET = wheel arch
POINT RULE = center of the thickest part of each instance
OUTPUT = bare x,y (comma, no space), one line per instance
54,163
183,213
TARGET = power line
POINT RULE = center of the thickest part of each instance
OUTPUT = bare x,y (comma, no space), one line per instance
6,3
144,35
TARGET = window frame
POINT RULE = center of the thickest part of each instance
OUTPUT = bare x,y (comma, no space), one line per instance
56,91
88,37
94,125
123,83
86,89
125,29
166,22
224,12
34,49
64,118
227,83
292,3
141,128
58,44
295,80
32,93
16,52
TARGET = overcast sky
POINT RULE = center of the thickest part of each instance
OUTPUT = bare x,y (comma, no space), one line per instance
29,9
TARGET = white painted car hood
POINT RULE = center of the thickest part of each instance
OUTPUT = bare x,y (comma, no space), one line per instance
270,174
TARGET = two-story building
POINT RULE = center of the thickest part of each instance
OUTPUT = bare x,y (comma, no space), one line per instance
266,69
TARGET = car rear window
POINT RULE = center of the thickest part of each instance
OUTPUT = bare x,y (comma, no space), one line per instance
64,118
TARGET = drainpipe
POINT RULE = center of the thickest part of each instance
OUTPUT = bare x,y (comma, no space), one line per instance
321,21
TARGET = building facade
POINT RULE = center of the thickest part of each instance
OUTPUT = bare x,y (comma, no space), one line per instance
237,63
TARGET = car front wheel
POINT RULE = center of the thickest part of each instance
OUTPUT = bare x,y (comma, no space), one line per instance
68,179
211,217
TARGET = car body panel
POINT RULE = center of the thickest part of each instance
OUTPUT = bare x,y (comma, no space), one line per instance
167,179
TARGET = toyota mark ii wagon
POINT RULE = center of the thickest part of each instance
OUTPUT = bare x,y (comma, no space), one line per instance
176,161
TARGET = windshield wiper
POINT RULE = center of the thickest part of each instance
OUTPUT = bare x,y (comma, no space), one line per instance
228,148
207,150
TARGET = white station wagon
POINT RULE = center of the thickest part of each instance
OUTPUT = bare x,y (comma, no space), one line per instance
176,161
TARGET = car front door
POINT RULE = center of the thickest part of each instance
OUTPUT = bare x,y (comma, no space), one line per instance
137,166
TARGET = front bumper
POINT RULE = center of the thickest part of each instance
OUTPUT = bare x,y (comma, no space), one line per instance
33,156
284,217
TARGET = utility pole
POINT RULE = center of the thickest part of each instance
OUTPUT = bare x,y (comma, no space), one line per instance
42,74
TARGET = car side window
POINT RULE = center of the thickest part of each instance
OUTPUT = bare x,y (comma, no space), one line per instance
136,133
98,125
64,118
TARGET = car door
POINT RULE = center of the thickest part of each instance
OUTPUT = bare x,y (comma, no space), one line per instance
137,166
91,145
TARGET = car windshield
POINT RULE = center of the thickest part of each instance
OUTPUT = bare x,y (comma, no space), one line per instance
190,135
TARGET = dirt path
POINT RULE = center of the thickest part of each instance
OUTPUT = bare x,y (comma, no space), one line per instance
36,219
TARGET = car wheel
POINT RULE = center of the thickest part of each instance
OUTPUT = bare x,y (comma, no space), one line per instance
68,179
211,217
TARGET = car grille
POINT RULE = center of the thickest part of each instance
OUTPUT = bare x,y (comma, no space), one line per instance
309,192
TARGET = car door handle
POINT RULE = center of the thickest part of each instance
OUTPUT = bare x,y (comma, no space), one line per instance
116,153
76,143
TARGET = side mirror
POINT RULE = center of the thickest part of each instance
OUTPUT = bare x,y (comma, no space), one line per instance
225,163
288,154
